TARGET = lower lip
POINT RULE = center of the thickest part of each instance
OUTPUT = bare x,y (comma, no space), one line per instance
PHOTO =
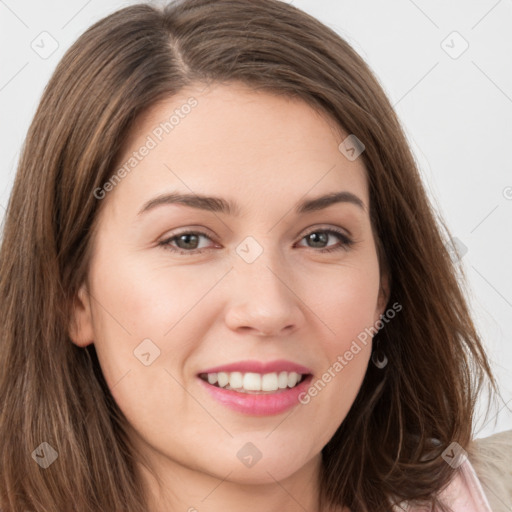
258,405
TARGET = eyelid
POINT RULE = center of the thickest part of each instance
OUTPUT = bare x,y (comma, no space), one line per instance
196,230
324,227
202,230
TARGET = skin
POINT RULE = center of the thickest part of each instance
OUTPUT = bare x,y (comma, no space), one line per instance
293,302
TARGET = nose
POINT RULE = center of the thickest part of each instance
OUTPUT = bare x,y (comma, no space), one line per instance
263,300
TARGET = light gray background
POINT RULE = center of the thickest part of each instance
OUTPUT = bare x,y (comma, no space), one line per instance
456,109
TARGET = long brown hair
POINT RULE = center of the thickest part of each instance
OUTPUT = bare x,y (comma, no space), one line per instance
53,391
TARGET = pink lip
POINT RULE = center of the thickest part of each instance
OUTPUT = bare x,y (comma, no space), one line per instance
258,405
259,367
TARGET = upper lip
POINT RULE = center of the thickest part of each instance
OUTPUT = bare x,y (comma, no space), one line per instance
259,367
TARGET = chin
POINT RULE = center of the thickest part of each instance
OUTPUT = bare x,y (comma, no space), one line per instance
262,473
279,464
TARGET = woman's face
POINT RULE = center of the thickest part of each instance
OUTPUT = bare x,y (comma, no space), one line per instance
179,294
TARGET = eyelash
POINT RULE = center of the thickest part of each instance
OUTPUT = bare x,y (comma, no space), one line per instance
346,243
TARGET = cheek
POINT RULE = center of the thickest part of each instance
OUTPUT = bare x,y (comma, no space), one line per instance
145,330
347,310
139,298
347,306
147,313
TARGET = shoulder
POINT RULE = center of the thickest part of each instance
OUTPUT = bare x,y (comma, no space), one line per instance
483,481
491,458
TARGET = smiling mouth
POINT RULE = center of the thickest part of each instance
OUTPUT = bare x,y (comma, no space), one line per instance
254,383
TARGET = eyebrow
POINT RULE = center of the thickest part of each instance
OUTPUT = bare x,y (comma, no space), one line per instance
220,205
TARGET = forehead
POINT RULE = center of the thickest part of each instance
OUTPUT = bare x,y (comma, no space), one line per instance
235,142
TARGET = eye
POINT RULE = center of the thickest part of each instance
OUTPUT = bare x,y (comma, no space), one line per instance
321,236
188,242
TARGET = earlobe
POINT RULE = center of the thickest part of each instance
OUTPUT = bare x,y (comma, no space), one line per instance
81,329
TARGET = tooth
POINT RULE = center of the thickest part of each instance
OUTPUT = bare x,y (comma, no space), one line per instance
282,380
223,379
292,379
269,382
236,380
255,381
252,382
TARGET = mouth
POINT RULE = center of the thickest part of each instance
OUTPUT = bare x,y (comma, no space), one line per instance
256,388
255,383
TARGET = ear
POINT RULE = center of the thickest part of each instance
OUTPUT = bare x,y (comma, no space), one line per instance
384,294
81,329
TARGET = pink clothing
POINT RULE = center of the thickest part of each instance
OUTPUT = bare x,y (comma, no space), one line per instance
464,493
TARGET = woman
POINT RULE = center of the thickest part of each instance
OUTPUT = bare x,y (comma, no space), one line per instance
311,350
